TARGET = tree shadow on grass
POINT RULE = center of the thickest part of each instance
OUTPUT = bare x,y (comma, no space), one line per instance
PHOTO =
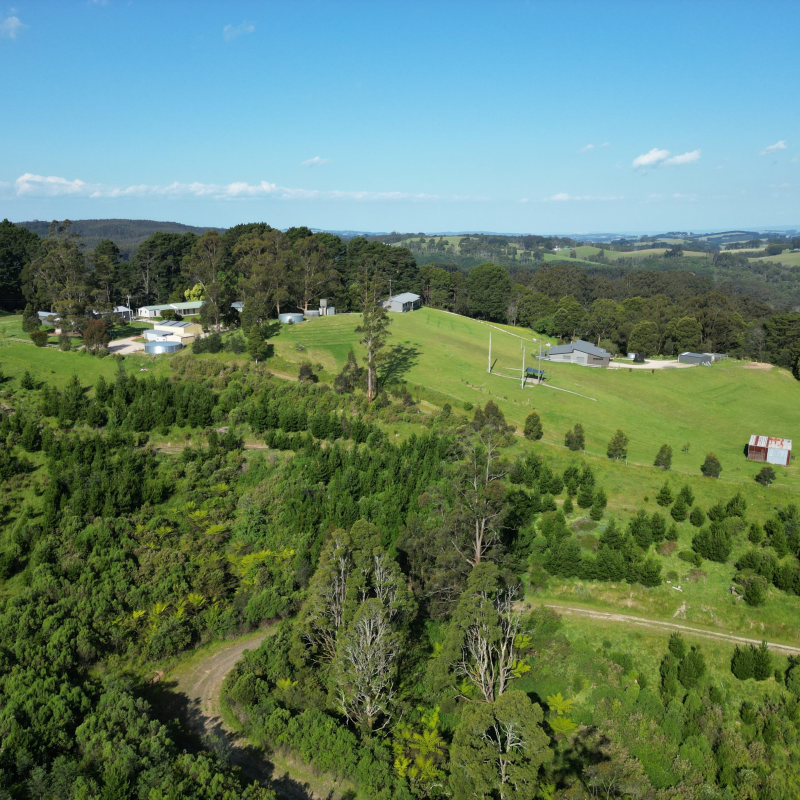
194,731
398,361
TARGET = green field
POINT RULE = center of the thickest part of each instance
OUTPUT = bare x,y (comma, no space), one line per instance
709,408
789,259
654,251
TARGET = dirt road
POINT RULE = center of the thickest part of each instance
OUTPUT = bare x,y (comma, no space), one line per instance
124,347
670,626
196,688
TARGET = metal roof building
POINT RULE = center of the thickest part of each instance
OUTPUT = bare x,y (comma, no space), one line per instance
407,301
769,449
702,359
581,352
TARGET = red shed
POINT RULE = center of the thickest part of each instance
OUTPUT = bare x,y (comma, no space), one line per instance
770,450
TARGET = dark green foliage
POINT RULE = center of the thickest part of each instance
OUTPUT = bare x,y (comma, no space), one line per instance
567,507
533,427
672,533
489,290
755,591
639,528
711,467
765,476
762,662
596,511
658,527
692,668
697,517
39,338
677,645
691,557
742,662
574,438
306,373
664,457
585,495
650,572
748,713
664,496
679,510
687,494
736,506
618,446
713,542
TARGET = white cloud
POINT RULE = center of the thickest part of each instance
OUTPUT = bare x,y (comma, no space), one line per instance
605,144
684,158
315,162
562,197
586,149
49,186
650,158
10,27
781,145
230,32
680,196
31,185
524,200
795,160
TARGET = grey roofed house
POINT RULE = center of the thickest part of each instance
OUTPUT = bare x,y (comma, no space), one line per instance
580,352
702,359
407,301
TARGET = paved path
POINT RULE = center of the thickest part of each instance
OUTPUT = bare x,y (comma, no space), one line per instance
671,626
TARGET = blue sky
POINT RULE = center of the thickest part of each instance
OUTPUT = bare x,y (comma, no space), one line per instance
537,117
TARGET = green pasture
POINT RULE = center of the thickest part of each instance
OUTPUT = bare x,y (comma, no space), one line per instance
789,259
648,647
653,251
712,409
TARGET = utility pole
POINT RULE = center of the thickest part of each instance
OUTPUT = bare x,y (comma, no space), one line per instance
489,365
522,383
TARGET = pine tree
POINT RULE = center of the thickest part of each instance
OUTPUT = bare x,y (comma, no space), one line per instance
687,494
692,668
580,442
639,529
658,527
618,446
567,508
664,497
664,457
533,427
697,517
679,510
600,497
756,533
650,573
27,381
762,662
742,662
596,511
585,496
677,645
672,533
766,476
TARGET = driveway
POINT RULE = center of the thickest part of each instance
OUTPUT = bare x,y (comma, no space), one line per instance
125,347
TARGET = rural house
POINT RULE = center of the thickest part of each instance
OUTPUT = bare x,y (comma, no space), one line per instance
187,308
584,353
175,331
407,301
769,449
698,359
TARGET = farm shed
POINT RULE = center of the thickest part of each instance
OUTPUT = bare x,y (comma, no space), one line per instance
178,330
407,301
702,359
184,309
769,449
584,353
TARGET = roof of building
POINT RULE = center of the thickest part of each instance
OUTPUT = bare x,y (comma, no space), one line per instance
770,442
405,297
238,304
581,346
697,355
121,309
174,323
187,305
162,307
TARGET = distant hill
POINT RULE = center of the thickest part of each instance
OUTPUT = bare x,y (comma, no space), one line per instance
127,234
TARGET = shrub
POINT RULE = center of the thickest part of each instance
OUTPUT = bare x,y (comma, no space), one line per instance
65,342
711,467
691,557
306,373
533,427
687,494
567,508
96,335
39,338
692,668
574,438
756,533
713,543
755,591
27,381
677,645
766,476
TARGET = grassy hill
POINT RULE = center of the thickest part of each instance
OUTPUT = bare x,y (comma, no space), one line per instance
127,234
791,259
709,408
